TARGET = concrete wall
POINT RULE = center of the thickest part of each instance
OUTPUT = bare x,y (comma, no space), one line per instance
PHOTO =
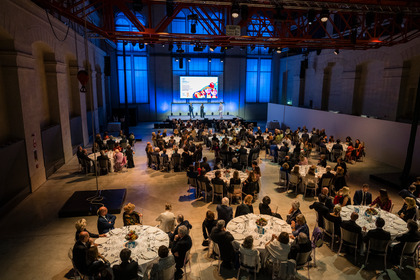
38,79
385,141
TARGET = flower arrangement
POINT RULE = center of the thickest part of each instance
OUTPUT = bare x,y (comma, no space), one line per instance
261,222
131,236
372,211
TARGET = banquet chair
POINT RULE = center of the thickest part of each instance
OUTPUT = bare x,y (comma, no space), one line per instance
176,162
217,191
167,274
281,156
154,164
303,259
164,163
216,250
76,271
329,230
316,241
410,251
392,207
336,154
243,160
284,270
350,239
326,182
202,189
283,178
192,182
293,182
311,185
249,265
237,192
377,247
256,157
187,261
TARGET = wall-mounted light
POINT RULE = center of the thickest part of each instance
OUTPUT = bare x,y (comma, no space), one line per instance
235,10
324,15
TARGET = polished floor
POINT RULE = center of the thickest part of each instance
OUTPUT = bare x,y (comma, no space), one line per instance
34,241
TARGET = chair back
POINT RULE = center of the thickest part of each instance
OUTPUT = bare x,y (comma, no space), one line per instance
249,260
243,159
328,226
192,182
216,248
237,189
255,156
176,161
410,248
167,274
349,237
284,269
302,258
218,188
378,245
283,175
310,181
326,182
163,160
294,179
187,257
154,159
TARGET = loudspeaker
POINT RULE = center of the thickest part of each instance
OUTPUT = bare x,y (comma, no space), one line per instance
107,66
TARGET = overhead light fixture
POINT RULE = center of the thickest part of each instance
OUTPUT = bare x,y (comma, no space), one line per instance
189,59
235,9
311,16
170,7
369,18
324,15
179,50
171,47
278,50
193,18
221,60
399,18
163,45
252,48
198,48
209,59
212,48
141,46
337,51
181,63
176,59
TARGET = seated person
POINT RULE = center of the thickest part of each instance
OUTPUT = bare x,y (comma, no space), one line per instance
327,176
302,244
409,210
119,160
363,196
167,219
322,161
80,252
339,180
303,160
104,163
410,193
236,165
224,211
81,226
217,180
248,253
351,225
336,219
192,173
293,212
105,221
382,201
278,247
299,226
320,207
208,224
127,269
131,217
182,244
245,207
181,222
165,262
224,239
97,263
250,186
345,199
377,233
265,207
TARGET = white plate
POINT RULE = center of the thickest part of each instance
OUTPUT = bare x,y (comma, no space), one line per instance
149,255
101,240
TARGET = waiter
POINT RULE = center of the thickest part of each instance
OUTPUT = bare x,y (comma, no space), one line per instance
221,110
191,111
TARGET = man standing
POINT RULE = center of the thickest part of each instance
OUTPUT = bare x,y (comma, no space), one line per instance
182,244
202,111
191,110
221,110
362,197
224,239
105,221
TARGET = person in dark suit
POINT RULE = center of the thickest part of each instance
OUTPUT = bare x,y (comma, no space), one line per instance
236,165
204,164
377,233
128,268
182,244
409,210
104,163
337,145
409,193
224,211
217,180
80,252
224,239
181,222
321,209
265,208
342,164
412,235
245,207
105,221
328,200
362,197
302,244
351,225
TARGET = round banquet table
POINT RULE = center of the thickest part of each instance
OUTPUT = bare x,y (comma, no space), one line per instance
116,140
145,253
319,171
330,145
176,138
242,175
243,226
220,137
394,224
110,155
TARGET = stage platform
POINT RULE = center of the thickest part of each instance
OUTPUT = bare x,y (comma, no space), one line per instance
209,117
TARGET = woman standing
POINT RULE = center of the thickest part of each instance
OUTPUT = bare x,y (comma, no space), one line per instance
129,153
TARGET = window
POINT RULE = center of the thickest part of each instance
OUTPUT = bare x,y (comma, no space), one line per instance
258,63
136,65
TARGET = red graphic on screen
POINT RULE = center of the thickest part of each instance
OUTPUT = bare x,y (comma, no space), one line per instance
208,91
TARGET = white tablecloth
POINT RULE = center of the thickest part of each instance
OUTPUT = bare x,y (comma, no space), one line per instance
110,154
170,152
301,133
243,226
145,253
394,224
226,177
220,137
116,139
319,171
176,138
330,145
